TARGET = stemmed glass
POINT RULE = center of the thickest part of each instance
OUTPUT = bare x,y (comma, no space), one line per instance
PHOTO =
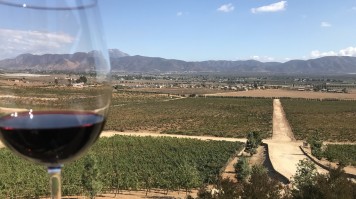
54,80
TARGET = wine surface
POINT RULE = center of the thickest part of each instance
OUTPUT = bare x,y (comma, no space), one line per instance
50,138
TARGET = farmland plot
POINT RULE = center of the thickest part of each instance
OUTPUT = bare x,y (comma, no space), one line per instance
332,120
222,117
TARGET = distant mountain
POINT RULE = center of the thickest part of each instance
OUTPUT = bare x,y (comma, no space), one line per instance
323,65
122,62
77,61
156,64
115,53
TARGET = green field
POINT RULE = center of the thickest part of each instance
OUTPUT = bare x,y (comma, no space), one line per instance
333,120
345,154
226,117
125,163
53,98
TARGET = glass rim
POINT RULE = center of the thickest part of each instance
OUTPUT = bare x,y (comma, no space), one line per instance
36,7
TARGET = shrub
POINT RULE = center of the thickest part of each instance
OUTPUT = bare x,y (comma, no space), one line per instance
242,168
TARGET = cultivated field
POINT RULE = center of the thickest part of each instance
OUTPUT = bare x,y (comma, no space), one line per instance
168,164
190,116
124,163
332,120
51,98
346,154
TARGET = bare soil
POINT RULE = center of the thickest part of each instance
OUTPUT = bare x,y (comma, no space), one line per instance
156,194
259,158
229,171
143,133
280,93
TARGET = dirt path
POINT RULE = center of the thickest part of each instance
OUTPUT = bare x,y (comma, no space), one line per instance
281,128
284,151
229,171
157,134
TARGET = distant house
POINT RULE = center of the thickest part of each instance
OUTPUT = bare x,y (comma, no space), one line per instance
234,88
78,85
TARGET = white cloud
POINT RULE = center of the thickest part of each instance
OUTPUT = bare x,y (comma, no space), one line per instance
325,24
179,14
263,58
226,8
353,8
274,7
350,51
317,53
15,42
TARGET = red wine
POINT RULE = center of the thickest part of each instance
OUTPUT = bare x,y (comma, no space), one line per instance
50,138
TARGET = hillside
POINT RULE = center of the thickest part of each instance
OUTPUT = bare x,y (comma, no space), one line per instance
122,62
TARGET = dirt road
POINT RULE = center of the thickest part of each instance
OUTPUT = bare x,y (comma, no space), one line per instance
284,151
157,134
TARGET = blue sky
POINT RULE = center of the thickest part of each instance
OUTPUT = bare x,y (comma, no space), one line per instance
266,30
193,30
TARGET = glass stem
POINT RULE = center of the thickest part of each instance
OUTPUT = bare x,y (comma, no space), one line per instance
55,181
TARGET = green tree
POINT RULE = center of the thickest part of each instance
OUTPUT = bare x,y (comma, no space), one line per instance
254,139
335,185
82,79
204,193
242,168
304,180
261,186
316,143
90,176
305,175
230,189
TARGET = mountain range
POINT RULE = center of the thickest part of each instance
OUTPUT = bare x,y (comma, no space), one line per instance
122,62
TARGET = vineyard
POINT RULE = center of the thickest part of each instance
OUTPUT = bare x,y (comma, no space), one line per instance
340,153
124,163
52,97
224,117
332,120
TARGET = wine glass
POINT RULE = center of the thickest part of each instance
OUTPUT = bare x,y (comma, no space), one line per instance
54,80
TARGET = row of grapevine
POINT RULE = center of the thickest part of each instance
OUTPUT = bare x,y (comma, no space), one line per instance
123,163
223,117
333,120
345,154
